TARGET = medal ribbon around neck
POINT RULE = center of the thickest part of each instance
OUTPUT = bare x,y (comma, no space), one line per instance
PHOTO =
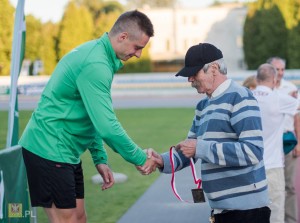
192,164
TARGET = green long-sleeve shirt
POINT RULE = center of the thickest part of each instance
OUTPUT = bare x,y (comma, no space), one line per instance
75,111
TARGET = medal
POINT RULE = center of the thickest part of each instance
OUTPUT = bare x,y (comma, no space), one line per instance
198,195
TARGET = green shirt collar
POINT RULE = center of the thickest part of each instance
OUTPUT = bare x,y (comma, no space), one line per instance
112,56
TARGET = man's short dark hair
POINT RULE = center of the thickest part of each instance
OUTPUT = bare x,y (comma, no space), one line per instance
130,19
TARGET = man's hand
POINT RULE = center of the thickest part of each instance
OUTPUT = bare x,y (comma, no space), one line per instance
187,147
154,160
107,175
296,150
294,94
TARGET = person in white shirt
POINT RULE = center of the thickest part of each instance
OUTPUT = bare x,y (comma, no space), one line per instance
292,123
274,106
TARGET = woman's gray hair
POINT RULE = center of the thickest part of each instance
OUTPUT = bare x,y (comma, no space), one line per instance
220,62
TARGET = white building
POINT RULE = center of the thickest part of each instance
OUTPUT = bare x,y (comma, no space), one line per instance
176,29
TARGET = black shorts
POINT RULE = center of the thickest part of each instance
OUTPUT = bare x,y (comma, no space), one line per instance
53,182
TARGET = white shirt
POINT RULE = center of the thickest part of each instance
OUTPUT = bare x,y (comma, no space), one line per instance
274,106
287,87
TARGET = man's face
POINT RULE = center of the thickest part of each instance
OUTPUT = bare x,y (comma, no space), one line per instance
203,82
130,47
280,67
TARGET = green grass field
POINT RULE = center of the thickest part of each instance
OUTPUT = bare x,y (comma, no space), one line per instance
157,128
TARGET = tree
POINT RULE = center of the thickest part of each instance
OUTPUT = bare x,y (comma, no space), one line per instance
48,48
293,37
6,35
293,61
94,6
287,9
112,6
76,27
33,38
283,18
104,23
100,7
265,33
152,4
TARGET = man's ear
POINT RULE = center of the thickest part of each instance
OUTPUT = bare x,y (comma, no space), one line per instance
214,68
122,36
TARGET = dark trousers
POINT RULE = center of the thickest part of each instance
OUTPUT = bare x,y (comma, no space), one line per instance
257,215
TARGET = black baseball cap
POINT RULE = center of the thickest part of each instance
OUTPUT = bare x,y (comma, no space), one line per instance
197,56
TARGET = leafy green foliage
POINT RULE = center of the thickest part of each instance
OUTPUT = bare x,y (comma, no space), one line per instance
76,27
6,35
82,21
272,29
47,52
33,38
153,3
100,7
104,23
293,37
293,48
265,35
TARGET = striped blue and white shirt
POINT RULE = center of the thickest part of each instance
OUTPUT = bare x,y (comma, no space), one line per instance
228,130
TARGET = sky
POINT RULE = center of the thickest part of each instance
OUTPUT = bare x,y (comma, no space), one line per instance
52,10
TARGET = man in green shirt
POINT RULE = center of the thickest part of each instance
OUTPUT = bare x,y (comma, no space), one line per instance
75,113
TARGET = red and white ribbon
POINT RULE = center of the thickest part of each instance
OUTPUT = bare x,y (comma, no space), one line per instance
196,180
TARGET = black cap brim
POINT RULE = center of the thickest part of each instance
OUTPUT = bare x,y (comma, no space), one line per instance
189,71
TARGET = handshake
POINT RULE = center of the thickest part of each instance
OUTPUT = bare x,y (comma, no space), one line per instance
155,160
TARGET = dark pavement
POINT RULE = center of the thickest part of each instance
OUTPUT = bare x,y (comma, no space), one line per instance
159,204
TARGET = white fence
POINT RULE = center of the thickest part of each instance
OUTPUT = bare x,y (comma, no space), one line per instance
136,84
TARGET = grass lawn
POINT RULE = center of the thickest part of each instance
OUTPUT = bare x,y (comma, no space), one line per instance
158,128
